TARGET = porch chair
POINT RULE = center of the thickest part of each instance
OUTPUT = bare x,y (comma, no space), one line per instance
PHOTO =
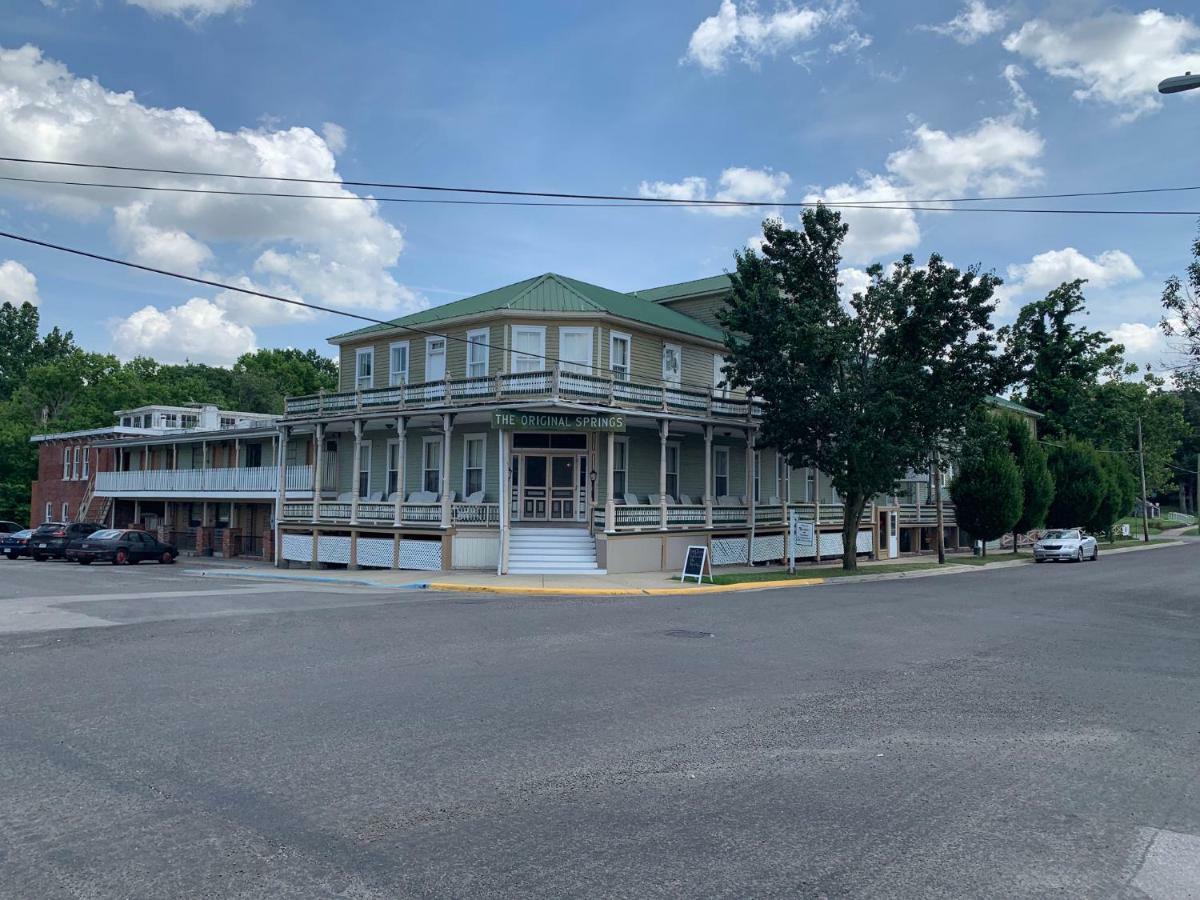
376,497
632,500
344,497
422,497
655,499
474,499
685,500
393,497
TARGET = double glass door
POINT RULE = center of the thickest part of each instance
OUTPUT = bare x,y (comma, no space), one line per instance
549,487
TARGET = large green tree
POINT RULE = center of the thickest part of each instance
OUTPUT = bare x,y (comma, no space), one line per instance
1117,499
1079,484
987,488
1056,360
861,390
1037,484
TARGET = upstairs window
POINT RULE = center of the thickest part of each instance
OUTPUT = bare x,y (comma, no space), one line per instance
575,350
435,359
529,348
190,421
66,465
672,364
618,356
672,471
720,379
364,367
87,456
398,363
477,353
75,464
720,471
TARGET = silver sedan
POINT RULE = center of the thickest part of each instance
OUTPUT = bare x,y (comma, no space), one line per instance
1067,543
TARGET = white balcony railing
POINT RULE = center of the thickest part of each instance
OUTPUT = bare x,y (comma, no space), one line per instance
261,480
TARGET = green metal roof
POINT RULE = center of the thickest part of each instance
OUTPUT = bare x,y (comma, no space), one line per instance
551,293
1001,403
710,285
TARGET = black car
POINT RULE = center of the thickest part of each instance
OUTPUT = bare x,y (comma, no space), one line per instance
15,544
120,546
53,538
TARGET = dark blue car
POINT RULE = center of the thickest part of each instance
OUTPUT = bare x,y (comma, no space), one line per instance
15,544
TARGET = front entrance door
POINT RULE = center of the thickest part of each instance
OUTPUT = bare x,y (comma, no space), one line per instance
549,486
887,535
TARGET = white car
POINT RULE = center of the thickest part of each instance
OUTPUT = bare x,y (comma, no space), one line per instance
1066,543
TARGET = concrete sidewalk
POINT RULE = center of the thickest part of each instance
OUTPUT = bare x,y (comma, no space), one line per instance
633,584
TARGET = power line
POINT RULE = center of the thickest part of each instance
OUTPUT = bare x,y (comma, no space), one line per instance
195,279
580,196
603,204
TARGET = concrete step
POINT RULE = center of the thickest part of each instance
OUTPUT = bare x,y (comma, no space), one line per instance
554,570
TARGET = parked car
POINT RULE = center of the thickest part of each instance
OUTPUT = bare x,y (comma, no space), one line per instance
1066,543
15,544
53,538
120,546
11,528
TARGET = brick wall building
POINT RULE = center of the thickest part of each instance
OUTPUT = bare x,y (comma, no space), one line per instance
65,467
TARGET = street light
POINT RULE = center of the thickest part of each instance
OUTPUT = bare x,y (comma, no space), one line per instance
1185,82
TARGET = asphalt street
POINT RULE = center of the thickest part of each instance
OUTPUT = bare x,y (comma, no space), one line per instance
1024,732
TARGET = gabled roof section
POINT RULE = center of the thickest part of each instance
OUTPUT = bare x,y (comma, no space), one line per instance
1013,406
711,285
551,293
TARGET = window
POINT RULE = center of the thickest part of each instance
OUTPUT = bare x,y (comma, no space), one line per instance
170,420
810,485
529,348
435,358
364,367
393,468
673,470
477,353
575,349
474,453
618,355
66,511
228,422
757,472
620,466
254,456
87,460
364,469
189,420
330,468
431,465
126,421
720,379
672,365
782,477
66,464
720,471
49,512
75,464
398,363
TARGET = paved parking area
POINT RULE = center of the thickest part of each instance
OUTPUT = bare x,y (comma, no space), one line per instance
1026,732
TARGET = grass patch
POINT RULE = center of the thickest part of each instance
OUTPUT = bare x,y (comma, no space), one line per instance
1135,524
881,569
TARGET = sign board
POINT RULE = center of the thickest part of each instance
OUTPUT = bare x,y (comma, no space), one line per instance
520,420
694,563
801,539
1125,530
803,533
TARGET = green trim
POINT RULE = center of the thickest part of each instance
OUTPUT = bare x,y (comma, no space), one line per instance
551,293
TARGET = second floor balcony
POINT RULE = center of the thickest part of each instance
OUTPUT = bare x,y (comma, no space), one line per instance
256,483
557,384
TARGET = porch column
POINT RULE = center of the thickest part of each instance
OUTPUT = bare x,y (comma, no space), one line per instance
175,457
401,441
817,513
280,489
708,477
447,423
750,494
503,505
354,484
610,498
663,428
137,512
318,451
237,453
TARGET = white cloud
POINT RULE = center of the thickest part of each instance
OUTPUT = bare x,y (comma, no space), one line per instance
852,281
748,35
851,43
1117,58
736,184
197,330
976,20
873,232
191,10
1140,340
17,284
995,157
335,136
1022,105
1050,269
334,252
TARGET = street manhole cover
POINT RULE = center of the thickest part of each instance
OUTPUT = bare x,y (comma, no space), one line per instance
685,633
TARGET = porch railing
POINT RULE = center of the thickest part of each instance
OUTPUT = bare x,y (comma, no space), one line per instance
264,479
560,383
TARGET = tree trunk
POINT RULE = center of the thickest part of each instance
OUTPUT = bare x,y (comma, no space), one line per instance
1015,535
851,512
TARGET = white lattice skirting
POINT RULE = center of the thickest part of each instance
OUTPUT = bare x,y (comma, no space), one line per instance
333,549
425,556
376,552
732,551
297,547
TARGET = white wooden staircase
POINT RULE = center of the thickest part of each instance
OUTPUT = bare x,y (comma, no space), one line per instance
552,551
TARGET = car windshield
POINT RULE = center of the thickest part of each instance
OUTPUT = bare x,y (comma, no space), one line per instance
51,526
106,534
1061,536
24,533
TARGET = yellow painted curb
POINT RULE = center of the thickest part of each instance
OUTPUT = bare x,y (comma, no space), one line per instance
616,591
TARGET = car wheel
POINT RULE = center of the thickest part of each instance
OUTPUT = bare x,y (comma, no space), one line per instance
167,558
38,557
1079,555
85,562
121,557
1095,553
11,555
1038,561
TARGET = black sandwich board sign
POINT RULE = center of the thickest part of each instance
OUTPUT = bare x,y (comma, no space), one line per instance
695,562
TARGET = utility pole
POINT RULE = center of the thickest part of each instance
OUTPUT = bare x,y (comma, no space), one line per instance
1145,501
937,505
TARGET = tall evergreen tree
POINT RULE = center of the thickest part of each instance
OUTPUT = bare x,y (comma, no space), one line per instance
987,488
1079,484
1037,484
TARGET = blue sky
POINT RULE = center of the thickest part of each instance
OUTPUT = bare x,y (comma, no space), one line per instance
703,99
